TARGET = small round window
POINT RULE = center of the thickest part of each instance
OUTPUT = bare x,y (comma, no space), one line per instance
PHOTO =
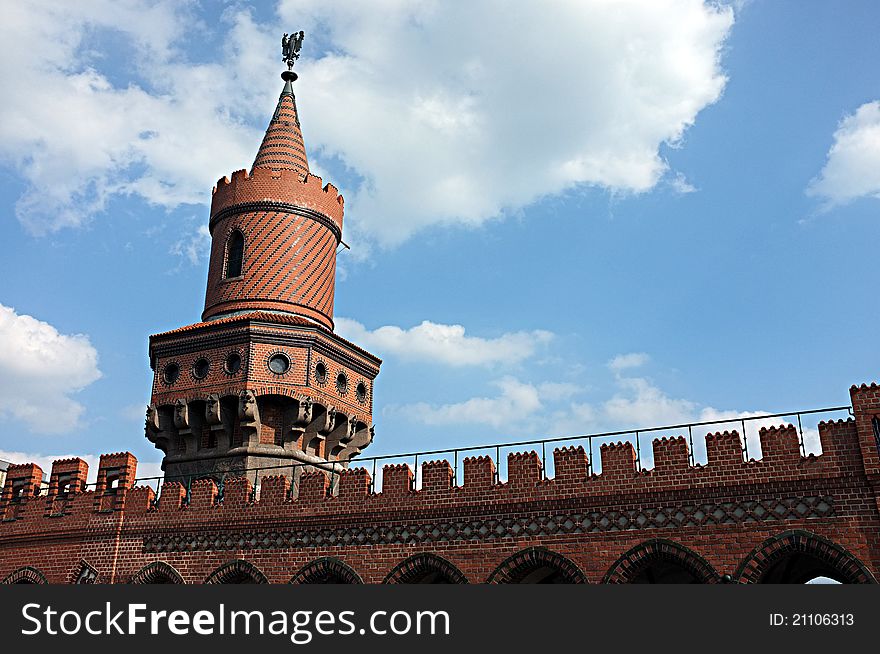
342,383
171,373
279,364
321,372
233,363
361,392
201,368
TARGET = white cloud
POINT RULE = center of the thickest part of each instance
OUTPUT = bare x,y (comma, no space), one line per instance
133,412
640,403
444,344
517,401
467,111
193,246
680,184
852,169
39,370
627,361
78,136
552,409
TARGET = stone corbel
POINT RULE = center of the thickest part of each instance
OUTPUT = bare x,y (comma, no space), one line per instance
155,432
213,418
304,412
358,442
181,418
151,427
249,417
325,424
343,430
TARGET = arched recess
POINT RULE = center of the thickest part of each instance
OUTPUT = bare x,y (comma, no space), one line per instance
237,572
25,575
661,561
327,570
537,565
798,556
425,568
157,572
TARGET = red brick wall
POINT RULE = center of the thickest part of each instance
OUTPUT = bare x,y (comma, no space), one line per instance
247,341
289,259
722,514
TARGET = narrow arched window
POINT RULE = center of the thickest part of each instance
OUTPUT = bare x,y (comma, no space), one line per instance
234,254
875,425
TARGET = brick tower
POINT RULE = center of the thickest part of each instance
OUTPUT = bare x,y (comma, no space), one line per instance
263,381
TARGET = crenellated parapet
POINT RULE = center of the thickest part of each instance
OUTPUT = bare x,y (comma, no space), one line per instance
23,481
284,187
315,494
866,407
472,519
25,497
68,476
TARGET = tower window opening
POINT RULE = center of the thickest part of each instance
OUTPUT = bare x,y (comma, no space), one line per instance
279,364
201,368
321,373
234,254
171,373
233,363
342,383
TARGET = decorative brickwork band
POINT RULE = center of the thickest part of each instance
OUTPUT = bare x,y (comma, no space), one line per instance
636,565
26,575
327,570
537,565
425,568
772,510
799,556
275,207
237,572
157,572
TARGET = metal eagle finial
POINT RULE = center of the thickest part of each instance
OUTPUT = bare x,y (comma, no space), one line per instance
290,47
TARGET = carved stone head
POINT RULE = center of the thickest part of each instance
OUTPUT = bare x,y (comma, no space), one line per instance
212,408
181,414
152,422
247,405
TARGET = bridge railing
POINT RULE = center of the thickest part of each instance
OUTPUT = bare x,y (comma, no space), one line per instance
748,426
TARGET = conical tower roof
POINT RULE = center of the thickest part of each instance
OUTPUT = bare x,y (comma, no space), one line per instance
282,147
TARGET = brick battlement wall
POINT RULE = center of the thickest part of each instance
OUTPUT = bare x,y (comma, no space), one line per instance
278,186
729,519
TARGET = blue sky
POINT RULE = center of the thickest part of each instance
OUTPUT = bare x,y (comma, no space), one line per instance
593,217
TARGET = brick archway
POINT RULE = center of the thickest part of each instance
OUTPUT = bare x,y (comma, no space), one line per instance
237,572
157,572
661,561
425,568
26,575
537,565
327,570
796,557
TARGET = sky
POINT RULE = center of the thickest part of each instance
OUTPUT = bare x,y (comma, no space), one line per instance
564,218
